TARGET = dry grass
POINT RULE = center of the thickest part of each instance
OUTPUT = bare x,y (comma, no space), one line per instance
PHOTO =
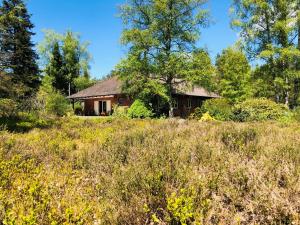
151,172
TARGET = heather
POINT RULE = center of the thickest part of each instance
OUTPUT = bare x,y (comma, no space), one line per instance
112,171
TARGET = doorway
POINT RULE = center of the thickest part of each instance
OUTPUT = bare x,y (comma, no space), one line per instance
102,107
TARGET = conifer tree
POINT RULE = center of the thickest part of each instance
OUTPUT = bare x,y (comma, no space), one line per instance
18,57
55,70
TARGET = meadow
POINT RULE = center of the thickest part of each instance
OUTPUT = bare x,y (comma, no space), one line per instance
113,171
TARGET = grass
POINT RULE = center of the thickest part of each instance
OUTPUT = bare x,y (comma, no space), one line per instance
110,171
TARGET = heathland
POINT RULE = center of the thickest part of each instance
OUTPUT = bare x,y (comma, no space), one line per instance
112,171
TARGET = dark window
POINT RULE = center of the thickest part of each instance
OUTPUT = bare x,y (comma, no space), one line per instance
189,103
121,101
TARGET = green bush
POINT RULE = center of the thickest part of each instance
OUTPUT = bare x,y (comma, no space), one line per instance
259,110
8,107
120,111
218,108
296,114
78,109
57,104
139,110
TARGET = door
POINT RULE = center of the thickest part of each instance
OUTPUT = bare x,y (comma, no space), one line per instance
102,107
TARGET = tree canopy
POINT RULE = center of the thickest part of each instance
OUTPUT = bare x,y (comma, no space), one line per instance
161,37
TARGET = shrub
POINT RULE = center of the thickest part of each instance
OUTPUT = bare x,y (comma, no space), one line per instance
296,114
120,111
139,110
206,118
78,109
259,110
8,107
218,108
57,104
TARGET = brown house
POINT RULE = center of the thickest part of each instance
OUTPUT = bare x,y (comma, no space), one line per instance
99,99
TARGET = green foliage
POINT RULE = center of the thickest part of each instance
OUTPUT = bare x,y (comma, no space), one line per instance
57,104
259,110
52,101
218,108
83,82
181,207
8,107
139,110
274,43
18,56
105,170
66,59
120,112
160,46
233,75
206,117
296,114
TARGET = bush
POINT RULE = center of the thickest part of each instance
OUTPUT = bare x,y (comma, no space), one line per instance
259,110
207,118
8,107
218,108
57,104
120,111
296,114
139,110
78,109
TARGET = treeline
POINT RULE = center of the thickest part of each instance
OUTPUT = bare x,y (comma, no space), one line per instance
38,81
161,37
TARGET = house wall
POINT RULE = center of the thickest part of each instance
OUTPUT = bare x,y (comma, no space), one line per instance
183,110
91,105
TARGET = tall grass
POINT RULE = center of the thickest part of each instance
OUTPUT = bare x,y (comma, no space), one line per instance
151,172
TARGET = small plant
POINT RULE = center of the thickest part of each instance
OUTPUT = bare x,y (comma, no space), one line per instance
139,110
207,118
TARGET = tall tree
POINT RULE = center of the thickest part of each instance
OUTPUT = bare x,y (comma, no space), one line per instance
55,69
160,34
269,31
233,75
18,57
65,57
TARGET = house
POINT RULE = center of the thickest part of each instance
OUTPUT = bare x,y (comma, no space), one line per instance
99,99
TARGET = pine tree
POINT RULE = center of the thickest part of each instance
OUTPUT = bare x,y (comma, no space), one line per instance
18,57
55,70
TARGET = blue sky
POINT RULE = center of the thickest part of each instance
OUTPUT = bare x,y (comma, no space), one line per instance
98,23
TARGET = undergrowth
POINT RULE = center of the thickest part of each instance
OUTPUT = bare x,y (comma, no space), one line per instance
111,171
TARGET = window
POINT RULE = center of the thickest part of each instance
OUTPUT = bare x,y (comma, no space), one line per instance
189,103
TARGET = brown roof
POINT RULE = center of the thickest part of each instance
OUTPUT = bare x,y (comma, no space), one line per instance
113,86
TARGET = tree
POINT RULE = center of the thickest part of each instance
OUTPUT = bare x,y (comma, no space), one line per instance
55,70
161,35
71,54
269,31
67,59
18,57
233,75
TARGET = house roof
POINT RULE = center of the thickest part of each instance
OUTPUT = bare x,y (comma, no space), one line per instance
113,86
